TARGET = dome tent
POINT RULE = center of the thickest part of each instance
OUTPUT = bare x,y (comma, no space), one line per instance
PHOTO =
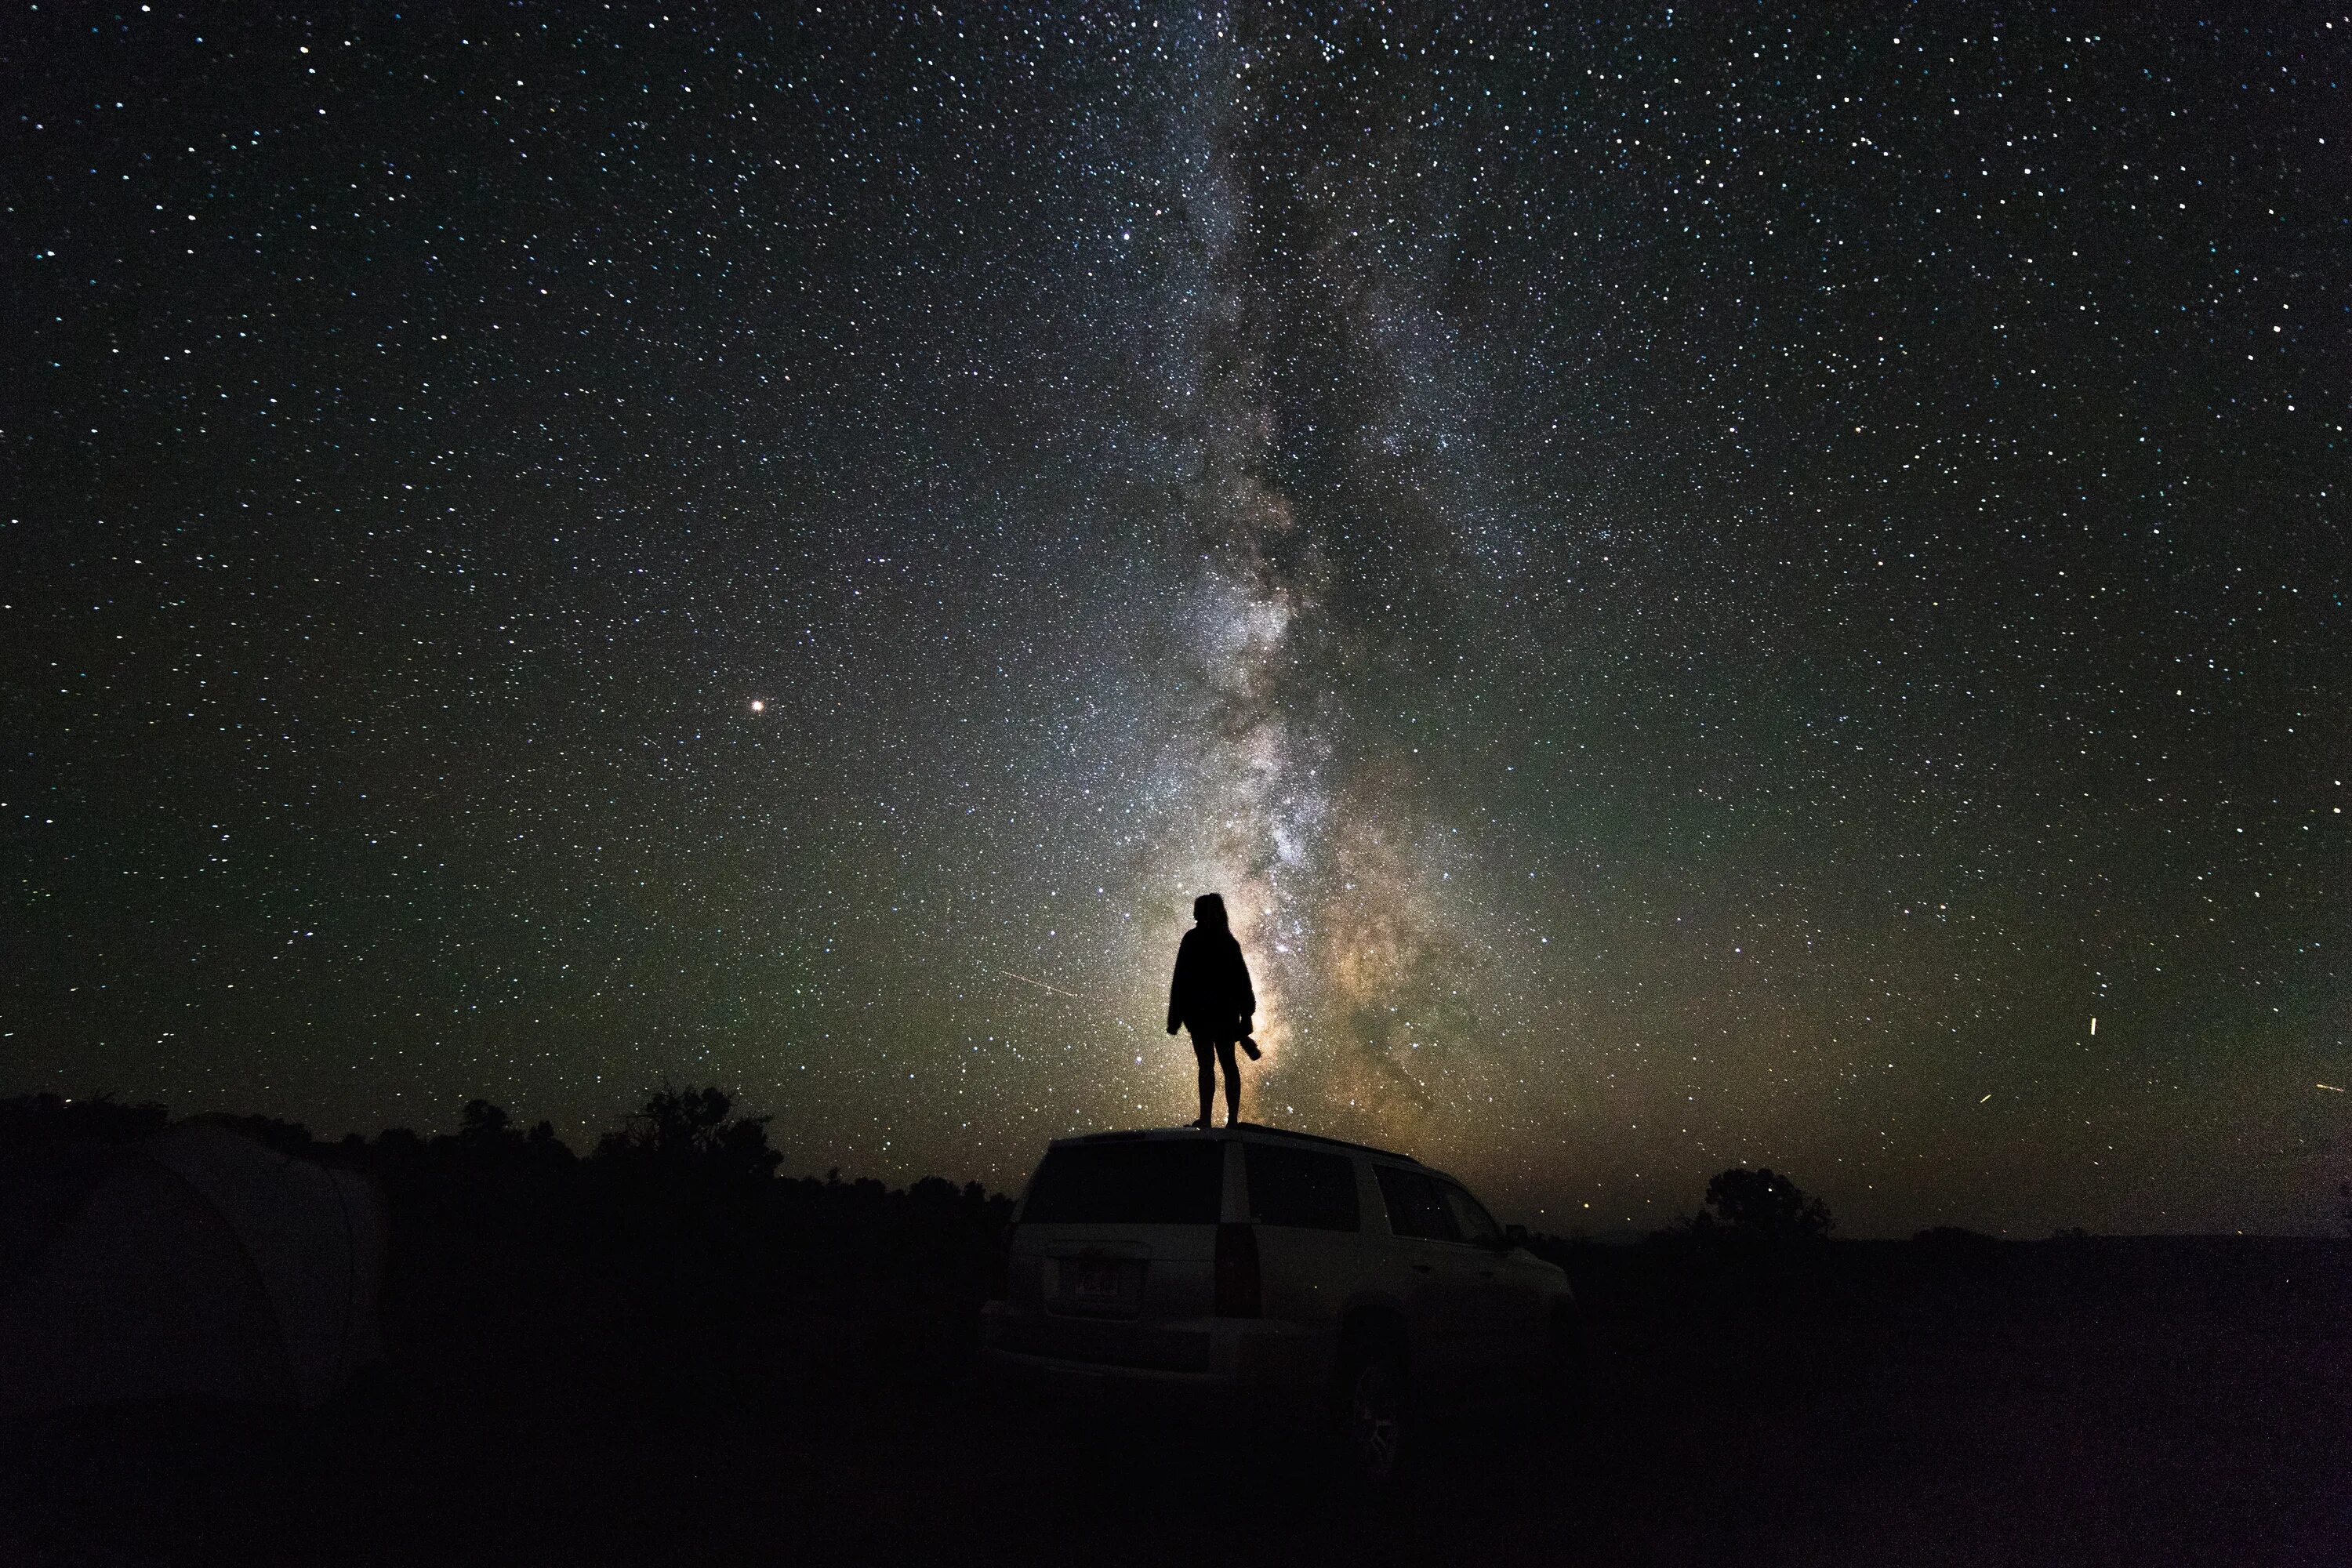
197,1263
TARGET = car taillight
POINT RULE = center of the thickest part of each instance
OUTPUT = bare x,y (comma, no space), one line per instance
1237,1274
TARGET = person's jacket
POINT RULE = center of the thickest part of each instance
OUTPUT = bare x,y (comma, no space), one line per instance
1211,994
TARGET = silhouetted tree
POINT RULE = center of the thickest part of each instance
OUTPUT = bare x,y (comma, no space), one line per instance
1761,1203
482,1125
691,1127
487,1138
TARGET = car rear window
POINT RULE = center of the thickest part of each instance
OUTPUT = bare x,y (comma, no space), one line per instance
1416,1205
1154,1181
1470,1216
1301,1187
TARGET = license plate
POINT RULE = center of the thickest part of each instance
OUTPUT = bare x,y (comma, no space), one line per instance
1092,1281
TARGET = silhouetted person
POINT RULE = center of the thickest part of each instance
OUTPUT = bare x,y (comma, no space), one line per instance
1211,997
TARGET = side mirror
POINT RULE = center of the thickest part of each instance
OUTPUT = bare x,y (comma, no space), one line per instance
1514,1236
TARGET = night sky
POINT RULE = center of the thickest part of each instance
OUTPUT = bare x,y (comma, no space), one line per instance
1710,587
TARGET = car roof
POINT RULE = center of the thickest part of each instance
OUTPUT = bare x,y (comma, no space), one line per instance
1247,1132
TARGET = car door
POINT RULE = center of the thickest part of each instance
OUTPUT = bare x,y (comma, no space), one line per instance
1505,1310
1430,1265
1308,1216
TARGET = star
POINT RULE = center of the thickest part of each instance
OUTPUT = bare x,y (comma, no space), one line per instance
1640,554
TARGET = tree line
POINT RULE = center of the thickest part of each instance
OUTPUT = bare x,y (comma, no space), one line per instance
677,1215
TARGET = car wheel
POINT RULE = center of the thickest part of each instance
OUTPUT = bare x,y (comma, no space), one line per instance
1374,1414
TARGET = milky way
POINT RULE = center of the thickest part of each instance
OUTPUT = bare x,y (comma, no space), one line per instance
1710,589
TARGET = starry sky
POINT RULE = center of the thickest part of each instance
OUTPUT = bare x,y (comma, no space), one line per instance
1713,585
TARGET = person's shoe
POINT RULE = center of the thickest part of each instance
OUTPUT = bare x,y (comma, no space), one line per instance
1200,1122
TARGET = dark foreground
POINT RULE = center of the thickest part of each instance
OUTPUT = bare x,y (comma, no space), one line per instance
2101,1402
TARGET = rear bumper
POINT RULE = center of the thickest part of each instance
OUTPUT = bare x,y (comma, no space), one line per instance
1206,1353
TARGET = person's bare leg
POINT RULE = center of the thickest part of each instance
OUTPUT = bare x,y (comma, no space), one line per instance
1232,1084
1208,1080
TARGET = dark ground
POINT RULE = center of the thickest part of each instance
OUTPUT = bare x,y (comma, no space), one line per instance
2088,1402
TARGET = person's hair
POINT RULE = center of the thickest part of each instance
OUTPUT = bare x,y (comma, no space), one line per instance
1209,908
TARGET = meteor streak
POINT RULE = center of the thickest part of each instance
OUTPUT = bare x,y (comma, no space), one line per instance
1041,986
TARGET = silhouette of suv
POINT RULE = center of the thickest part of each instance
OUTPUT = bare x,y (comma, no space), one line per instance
1261,1260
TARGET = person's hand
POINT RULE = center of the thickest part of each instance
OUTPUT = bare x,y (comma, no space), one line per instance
1174,1025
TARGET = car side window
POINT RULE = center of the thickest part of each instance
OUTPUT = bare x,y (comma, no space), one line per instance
1416,1206
1477,1226
1302,1187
